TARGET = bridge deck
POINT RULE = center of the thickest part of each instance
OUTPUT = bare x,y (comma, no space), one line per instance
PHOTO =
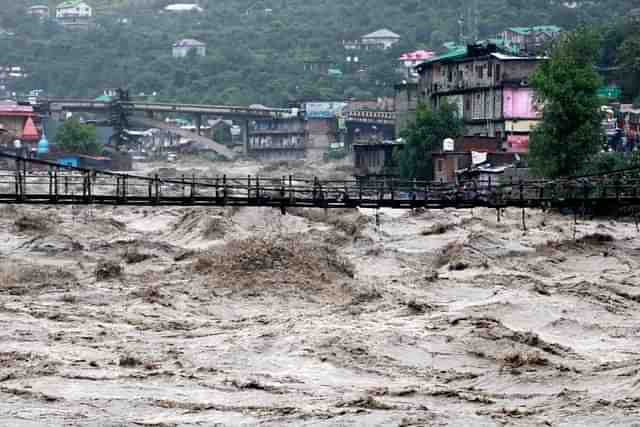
41,182
73,104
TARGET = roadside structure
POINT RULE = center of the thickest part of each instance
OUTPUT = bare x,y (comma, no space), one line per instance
469,153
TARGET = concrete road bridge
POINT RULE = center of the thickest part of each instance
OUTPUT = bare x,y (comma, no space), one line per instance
29,181
87,105
123,112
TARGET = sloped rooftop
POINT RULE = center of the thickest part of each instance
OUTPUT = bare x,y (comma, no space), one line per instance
382,34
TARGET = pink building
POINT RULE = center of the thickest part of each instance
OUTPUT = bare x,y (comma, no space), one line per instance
520,103
521,114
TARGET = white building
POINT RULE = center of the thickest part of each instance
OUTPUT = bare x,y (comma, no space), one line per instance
381,39
183,47
183,7
73,9
74,14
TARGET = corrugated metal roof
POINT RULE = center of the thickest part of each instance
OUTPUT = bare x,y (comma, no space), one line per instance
452,54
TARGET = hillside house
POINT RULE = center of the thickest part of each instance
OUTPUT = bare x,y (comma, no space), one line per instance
382,39
74,14
529,40
182,48
490,90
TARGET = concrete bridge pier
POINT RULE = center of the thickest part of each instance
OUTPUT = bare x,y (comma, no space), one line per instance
245,137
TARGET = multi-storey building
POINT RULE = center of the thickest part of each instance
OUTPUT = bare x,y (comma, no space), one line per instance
278,139
490,90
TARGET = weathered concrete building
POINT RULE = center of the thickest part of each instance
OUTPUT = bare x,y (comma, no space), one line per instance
375,159
277,139
322,134
490,90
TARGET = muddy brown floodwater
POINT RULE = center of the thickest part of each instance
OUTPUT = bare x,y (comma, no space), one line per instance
201,317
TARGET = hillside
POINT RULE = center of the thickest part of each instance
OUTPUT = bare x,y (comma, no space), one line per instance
255,49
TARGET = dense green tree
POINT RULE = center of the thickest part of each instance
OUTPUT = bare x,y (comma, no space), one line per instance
423,136
75,137
248,49
570,132
628,58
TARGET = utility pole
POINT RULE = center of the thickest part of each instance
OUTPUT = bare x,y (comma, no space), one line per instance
476,17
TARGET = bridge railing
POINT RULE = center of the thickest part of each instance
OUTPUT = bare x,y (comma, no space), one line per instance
37,181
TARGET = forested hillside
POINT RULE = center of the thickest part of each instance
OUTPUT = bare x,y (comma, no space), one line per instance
255,56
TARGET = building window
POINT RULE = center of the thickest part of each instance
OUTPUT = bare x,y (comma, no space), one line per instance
490,70
497,71
440,165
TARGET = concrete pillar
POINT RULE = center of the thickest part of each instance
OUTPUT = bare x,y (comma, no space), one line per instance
245,137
